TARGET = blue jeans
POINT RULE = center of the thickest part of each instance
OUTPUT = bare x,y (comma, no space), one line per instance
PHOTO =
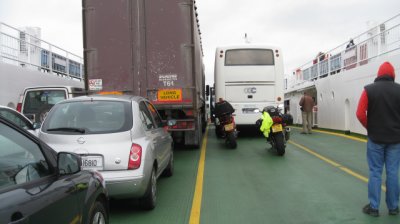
379,155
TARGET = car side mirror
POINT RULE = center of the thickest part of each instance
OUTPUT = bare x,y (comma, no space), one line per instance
37,125
68,163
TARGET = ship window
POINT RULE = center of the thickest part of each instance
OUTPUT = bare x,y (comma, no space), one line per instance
249,57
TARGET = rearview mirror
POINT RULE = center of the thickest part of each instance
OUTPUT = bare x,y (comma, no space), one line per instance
36,125
68,163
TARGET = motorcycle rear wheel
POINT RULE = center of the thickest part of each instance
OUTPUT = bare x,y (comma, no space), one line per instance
280,144
231,140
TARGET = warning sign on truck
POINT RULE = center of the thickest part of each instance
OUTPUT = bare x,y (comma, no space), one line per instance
169,95
95,84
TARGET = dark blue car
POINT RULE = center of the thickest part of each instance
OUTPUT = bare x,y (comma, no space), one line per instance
38,185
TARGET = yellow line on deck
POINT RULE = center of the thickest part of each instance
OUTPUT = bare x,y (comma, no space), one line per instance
337,134
198,192
333,163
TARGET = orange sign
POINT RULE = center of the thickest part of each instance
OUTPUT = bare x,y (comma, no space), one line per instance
169,95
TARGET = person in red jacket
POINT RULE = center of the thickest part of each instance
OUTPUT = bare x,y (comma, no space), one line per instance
379,112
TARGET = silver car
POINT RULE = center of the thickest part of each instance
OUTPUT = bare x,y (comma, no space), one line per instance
121,136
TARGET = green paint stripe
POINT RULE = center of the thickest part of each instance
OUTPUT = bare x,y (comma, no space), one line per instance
198,193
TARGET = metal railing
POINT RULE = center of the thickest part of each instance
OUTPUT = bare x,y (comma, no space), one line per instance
20,48
377,41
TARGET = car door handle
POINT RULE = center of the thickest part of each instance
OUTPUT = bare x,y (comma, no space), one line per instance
18,218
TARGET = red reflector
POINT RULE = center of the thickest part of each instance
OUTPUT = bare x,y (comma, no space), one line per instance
189,112
277,119
135,157
19,107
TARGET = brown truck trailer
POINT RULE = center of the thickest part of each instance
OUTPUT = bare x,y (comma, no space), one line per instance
150,48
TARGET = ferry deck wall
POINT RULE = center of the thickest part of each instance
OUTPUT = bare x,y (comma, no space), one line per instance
337,95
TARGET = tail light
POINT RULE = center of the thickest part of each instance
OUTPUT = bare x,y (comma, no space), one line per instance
19,107
277,119
135,157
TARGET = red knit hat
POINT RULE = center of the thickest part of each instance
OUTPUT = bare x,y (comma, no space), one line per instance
386,69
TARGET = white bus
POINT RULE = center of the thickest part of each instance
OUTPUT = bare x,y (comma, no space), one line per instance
249,77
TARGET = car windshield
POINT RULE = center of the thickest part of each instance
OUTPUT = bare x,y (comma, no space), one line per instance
89,117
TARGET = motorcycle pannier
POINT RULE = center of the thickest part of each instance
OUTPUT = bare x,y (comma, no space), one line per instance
288,119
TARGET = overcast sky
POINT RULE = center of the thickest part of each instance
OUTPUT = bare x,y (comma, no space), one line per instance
301,28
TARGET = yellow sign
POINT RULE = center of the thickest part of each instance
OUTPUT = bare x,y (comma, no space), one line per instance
170,95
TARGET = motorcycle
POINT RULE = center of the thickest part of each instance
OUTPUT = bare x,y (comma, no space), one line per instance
279,132
225,126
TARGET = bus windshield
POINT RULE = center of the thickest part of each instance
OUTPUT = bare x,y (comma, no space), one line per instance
249,57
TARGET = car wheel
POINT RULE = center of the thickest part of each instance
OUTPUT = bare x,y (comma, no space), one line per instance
169,170
148,202
98,214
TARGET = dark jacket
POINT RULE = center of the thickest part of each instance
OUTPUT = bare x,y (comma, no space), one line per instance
379,107
383,110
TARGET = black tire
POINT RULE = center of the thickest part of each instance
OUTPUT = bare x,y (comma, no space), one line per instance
149,201
231,140
98,214
169,170
280,144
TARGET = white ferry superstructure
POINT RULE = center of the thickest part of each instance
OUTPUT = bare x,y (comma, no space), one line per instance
336,78
26,61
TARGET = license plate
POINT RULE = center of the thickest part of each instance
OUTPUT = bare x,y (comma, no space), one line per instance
92,162
276,128
228,127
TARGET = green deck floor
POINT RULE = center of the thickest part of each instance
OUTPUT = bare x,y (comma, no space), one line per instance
251,184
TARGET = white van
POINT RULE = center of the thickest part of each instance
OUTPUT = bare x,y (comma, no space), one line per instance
35,102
